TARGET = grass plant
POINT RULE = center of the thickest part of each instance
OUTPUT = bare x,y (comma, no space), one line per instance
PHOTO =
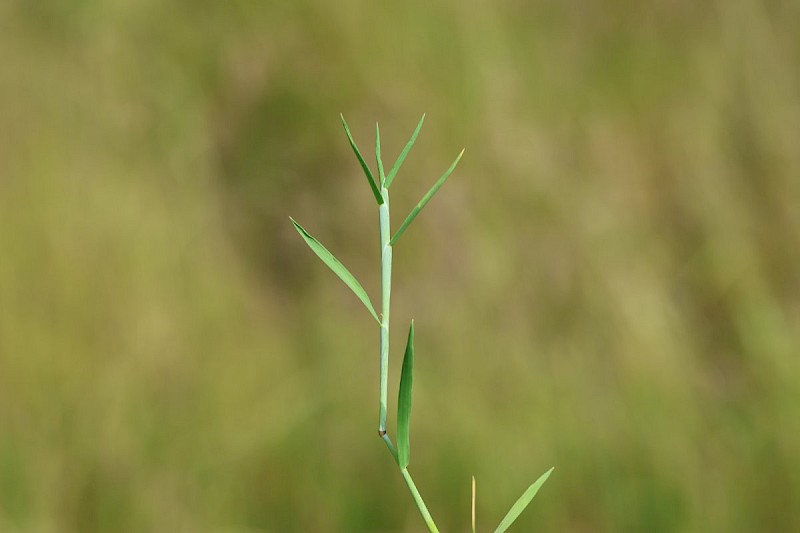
401,452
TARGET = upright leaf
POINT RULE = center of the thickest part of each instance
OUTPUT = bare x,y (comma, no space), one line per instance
404,402
425,199
403,154
338,268
522,503
375,190
378,154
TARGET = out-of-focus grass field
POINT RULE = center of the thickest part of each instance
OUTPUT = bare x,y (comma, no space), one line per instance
609,283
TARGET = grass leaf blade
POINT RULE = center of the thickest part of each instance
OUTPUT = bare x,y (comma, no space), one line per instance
425,199
378,154
364,166
404,403
404,153
337,267
522,502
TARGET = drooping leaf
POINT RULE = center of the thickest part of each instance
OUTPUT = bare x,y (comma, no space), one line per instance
367,172
338,268
403,154
378,154
404,402
522,503
425,199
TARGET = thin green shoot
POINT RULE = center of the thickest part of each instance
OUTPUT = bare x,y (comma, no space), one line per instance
401,453
384,221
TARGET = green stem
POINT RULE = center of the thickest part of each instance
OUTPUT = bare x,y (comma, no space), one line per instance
386,292
392,449
426,516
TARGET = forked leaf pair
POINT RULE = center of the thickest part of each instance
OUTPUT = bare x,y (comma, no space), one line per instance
385,182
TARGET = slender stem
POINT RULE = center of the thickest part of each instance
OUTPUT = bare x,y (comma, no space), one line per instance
426,516
391,447
386,292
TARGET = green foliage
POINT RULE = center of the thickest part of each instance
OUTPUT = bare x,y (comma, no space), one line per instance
402,157
401,453
404,402
337,267
425,200
522,502
378,155
367,172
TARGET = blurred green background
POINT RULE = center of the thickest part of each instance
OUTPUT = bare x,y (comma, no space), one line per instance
609,283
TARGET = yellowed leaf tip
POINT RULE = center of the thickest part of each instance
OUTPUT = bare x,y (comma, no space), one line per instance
473,504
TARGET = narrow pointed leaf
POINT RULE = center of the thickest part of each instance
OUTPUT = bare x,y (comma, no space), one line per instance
375,190
404,402
378,154
338,268
522,503
403,154
425,199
